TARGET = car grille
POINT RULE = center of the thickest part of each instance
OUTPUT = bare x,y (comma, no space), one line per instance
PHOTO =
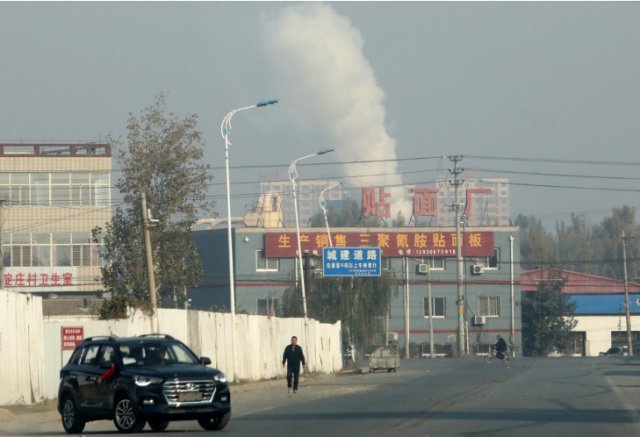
184,392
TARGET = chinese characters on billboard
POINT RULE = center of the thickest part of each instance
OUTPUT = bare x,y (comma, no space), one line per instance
351,261
42,278
425,201
392,244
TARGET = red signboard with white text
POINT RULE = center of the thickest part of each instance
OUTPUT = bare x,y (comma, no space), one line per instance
392,244
71,336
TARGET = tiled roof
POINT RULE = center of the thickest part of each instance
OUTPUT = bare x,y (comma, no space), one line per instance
577,283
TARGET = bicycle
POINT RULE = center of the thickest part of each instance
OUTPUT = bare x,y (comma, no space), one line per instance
492,357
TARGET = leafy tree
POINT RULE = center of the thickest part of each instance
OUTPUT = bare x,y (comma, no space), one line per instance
575,245
606,236
161,156
536,246
360,303
547,316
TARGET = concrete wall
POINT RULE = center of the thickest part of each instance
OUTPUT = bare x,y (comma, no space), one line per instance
598,331
260,341
21,349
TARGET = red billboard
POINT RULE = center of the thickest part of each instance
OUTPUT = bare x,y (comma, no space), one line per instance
392,244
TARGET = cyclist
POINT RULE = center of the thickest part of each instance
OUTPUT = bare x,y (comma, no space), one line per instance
500,347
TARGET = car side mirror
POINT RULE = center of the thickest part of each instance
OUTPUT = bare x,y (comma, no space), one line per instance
206,361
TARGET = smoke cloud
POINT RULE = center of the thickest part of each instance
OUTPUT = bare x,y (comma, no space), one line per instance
319,55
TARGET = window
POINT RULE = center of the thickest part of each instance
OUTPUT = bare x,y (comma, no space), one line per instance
107,354
386,263
439,305
60,249
41,250
81,249
90,356
56,188
435,263
489,306
264,264
490,262
268,307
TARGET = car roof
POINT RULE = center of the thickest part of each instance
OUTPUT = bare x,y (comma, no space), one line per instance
146,338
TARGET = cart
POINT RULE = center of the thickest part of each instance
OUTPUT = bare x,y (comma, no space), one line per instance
384,358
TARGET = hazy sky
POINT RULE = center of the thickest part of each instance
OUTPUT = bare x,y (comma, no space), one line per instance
396,81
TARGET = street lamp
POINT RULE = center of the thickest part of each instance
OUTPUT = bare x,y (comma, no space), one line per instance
293,174
225,130
323,205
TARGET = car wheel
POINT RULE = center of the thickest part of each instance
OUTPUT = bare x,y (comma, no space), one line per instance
215,423
158,425
125,417
72,421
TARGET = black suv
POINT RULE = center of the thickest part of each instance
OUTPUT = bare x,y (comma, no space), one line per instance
151,378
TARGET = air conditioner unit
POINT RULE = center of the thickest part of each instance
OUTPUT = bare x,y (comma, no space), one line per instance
479,320
477,269
423,268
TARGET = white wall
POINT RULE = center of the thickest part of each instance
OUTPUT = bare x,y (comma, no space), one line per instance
31,354
260,341
598,331
21,348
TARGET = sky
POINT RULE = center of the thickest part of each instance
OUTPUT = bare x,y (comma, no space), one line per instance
553,87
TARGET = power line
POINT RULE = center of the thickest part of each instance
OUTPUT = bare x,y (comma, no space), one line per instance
555,160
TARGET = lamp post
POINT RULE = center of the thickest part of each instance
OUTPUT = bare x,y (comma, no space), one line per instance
225,130
293,174
323,205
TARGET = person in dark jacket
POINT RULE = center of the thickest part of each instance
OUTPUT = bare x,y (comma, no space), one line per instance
501,347
293,356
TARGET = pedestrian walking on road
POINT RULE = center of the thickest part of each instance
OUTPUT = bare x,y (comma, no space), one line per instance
293,357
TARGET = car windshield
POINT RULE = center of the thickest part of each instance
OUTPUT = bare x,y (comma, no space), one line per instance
156,354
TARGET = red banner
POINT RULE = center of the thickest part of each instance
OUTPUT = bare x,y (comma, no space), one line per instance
392,244
71,336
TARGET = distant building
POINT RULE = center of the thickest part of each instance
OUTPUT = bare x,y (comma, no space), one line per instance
53,195
600,309
307,193
485,201
264,267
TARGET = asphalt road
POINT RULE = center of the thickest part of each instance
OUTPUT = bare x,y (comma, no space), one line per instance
532,397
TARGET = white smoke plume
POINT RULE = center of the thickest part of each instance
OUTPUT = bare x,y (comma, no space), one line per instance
319,55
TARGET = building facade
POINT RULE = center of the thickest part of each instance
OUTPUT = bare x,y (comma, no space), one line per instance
600,310
264,265
486,201
52,196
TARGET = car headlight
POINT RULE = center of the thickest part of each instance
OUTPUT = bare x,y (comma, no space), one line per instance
220,377
143,381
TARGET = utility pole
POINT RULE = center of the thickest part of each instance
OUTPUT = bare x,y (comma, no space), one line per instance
627,306
149,256
407,306
456,182
432,347
2,201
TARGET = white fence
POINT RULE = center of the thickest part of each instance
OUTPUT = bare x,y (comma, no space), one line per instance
21,348
36,352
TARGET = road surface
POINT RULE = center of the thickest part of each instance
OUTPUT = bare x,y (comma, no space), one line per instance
468,397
